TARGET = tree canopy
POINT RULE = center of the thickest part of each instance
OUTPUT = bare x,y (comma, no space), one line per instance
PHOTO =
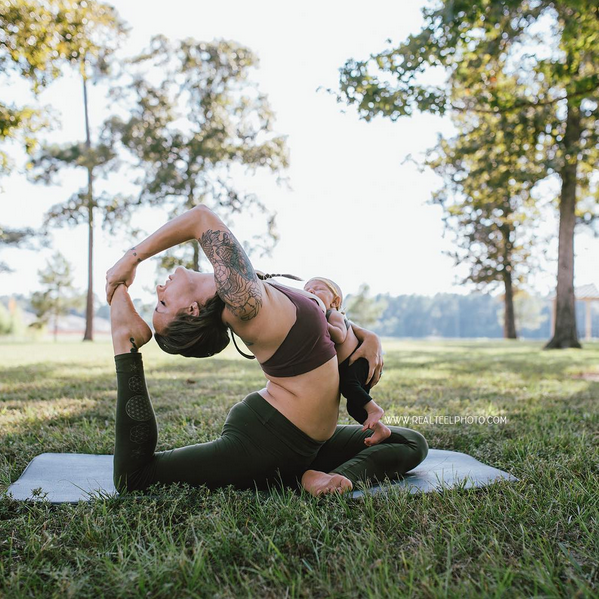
505,57
194,113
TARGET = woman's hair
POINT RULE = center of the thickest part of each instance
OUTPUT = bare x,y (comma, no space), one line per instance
196,336
263,276
203,335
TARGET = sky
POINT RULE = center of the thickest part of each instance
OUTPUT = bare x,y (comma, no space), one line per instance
353,210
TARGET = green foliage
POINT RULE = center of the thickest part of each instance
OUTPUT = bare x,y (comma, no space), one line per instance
11,320
196,117
96,31
37,41
531,67
463,39
57,296
114,209
5,321
530,311
363,309
489,174
13,237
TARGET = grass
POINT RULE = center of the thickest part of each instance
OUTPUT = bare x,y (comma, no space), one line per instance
535,537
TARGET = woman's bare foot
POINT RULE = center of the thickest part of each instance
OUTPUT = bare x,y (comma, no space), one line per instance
320,483
381,432
129,330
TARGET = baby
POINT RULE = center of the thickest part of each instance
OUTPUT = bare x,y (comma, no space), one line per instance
352,379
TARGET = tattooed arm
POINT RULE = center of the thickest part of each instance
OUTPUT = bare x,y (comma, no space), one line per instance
236,280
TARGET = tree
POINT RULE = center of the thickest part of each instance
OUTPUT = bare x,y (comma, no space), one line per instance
30,45
94,32
549,46
12,237
194,115
530,311
487,197
57,297
363,309
35,40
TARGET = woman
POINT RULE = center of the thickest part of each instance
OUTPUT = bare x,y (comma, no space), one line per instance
285,433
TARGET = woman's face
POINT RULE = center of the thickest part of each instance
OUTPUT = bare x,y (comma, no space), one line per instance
183,290
321,290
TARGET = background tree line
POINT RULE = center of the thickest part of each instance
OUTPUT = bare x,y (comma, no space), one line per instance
446,315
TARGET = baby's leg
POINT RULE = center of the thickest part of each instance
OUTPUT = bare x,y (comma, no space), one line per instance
375,413
354,389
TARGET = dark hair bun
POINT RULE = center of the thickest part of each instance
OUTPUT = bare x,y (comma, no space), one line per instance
196,336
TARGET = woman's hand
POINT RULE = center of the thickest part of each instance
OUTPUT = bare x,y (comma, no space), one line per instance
122,273
372,350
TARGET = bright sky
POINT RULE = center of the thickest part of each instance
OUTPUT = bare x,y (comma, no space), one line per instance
354,211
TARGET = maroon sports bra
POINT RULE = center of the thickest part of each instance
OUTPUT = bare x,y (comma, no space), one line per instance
308,344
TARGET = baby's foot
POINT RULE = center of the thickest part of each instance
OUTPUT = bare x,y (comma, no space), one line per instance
375,413
381,432
129,330
320,483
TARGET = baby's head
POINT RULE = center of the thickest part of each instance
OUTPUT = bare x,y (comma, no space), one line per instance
328,291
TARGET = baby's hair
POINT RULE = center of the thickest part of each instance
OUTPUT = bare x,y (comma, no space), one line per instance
333,287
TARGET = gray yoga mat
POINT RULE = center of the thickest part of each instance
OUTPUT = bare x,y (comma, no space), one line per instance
73,477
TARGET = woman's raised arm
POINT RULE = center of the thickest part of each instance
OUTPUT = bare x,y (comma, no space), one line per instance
236,281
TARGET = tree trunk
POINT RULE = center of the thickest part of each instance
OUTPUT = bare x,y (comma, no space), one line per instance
565,334
89,312
509,318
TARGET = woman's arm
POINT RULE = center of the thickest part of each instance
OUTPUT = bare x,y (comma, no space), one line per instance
372,350
236,280
176,231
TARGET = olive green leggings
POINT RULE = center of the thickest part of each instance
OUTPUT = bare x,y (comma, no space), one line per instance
258,446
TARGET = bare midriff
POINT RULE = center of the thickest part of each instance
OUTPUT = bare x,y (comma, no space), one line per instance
309,400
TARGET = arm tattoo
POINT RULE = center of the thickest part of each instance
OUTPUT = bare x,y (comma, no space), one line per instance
135,254
236,281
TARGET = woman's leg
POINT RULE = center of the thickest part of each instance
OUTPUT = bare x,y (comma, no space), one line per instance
245,454
345,454
238,457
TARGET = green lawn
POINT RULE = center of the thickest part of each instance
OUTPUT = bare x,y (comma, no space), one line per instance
536,537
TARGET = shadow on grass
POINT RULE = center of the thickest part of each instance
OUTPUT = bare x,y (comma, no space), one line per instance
541,364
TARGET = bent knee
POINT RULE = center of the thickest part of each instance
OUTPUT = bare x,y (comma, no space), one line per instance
421,446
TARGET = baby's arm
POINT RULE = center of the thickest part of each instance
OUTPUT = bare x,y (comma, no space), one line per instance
337,328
